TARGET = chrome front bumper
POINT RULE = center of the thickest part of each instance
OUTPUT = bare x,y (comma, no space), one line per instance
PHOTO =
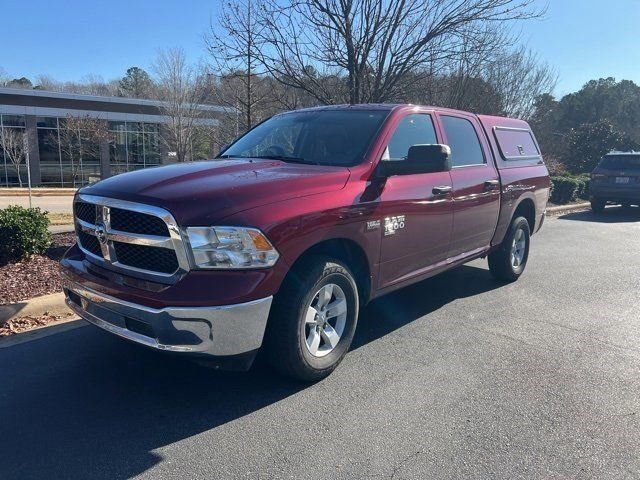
220,331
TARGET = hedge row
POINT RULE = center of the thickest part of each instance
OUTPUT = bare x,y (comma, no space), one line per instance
567,189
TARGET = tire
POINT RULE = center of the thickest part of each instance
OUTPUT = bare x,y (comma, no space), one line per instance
502,265
597,205
289,340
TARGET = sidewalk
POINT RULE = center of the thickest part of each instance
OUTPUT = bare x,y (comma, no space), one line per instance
50,203
36,192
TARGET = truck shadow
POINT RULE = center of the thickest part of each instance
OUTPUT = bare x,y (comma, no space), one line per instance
84,404
610,215
393,311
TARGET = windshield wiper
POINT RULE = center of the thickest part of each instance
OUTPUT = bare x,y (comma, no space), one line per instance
284,158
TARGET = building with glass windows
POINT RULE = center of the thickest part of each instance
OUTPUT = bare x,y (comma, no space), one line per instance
135,129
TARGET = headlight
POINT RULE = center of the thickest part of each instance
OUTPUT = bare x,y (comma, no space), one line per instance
230,247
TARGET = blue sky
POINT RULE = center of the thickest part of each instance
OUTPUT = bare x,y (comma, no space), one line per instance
581,39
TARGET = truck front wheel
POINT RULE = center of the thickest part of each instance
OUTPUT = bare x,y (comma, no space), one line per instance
313,319
597,205
508,262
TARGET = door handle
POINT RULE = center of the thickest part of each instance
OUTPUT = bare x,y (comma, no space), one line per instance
491,185
441,190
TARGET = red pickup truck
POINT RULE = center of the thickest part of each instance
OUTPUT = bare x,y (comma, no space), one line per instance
280,241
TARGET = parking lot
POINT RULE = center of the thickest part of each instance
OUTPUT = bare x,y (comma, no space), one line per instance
455,377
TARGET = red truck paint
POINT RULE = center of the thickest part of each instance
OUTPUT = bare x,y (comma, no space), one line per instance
298,206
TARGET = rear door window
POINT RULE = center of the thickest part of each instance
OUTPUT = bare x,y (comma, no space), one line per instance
516,143
463,140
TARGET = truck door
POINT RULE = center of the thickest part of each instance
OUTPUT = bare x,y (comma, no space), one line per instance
476,185
416,210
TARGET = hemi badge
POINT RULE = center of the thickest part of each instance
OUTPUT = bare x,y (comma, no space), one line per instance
373,225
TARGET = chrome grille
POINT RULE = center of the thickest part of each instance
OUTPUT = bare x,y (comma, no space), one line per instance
86,212
146,258
135,239
135,222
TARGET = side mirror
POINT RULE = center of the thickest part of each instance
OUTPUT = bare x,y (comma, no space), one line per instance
420,159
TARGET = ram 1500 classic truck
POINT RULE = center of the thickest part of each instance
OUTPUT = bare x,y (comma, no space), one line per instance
280,241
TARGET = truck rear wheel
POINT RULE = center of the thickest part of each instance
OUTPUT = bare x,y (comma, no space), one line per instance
313,319
508,262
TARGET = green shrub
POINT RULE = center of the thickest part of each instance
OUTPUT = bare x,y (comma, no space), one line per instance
583,187
564,189
23,232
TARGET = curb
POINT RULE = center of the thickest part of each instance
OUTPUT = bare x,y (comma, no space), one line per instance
53,303
61,228
568,208
41,332
37,192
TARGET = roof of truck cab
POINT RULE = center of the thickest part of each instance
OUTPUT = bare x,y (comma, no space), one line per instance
486,119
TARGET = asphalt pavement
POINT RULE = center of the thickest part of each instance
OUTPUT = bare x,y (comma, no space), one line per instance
456,377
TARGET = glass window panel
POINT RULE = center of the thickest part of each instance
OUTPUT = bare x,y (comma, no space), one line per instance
47,122
515,144
49,152
414,129
90,152
117,126
72,174
152,127
135,148
13,120
463,140
134,127
118,168
151,149
50,174
12,174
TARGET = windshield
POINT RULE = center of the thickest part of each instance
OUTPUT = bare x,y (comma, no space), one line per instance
612,162
328,137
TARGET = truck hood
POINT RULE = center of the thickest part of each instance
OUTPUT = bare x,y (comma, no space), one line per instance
200,193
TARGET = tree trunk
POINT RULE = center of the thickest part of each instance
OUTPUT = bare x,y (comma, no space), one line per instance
19,177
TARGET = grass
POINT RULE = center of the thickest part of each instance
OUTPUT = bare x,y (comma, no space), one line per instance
60,218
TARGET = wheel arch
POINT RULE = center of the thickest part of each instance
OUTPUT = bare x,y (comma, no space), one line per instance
527,209
350,253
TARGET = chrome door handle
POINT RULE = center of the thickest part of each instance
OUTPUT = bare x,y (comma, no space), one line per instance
491,185
441,190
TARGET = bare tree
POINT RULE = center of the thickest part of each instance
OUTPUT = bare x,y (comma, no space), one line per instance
234,41
3,77
182,88
79,139
13,141
520,78
373,44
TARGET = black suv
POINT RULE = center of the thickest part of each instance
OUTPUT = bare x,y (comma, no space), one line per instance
616,179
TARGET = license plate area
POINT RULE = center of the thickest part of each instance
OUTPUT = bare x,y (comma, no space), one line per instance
623,180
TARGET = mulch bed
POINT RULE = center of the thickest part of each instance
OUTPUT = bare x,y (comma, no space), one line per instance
36,276
29,322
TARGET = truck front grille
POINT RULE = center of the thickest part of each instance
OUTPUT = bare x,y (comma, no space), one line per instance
90,243
85,212
135,239
146,258
134,222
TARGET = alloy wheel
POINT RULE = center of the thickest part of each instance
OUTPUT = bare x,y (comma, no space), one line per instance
325,320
